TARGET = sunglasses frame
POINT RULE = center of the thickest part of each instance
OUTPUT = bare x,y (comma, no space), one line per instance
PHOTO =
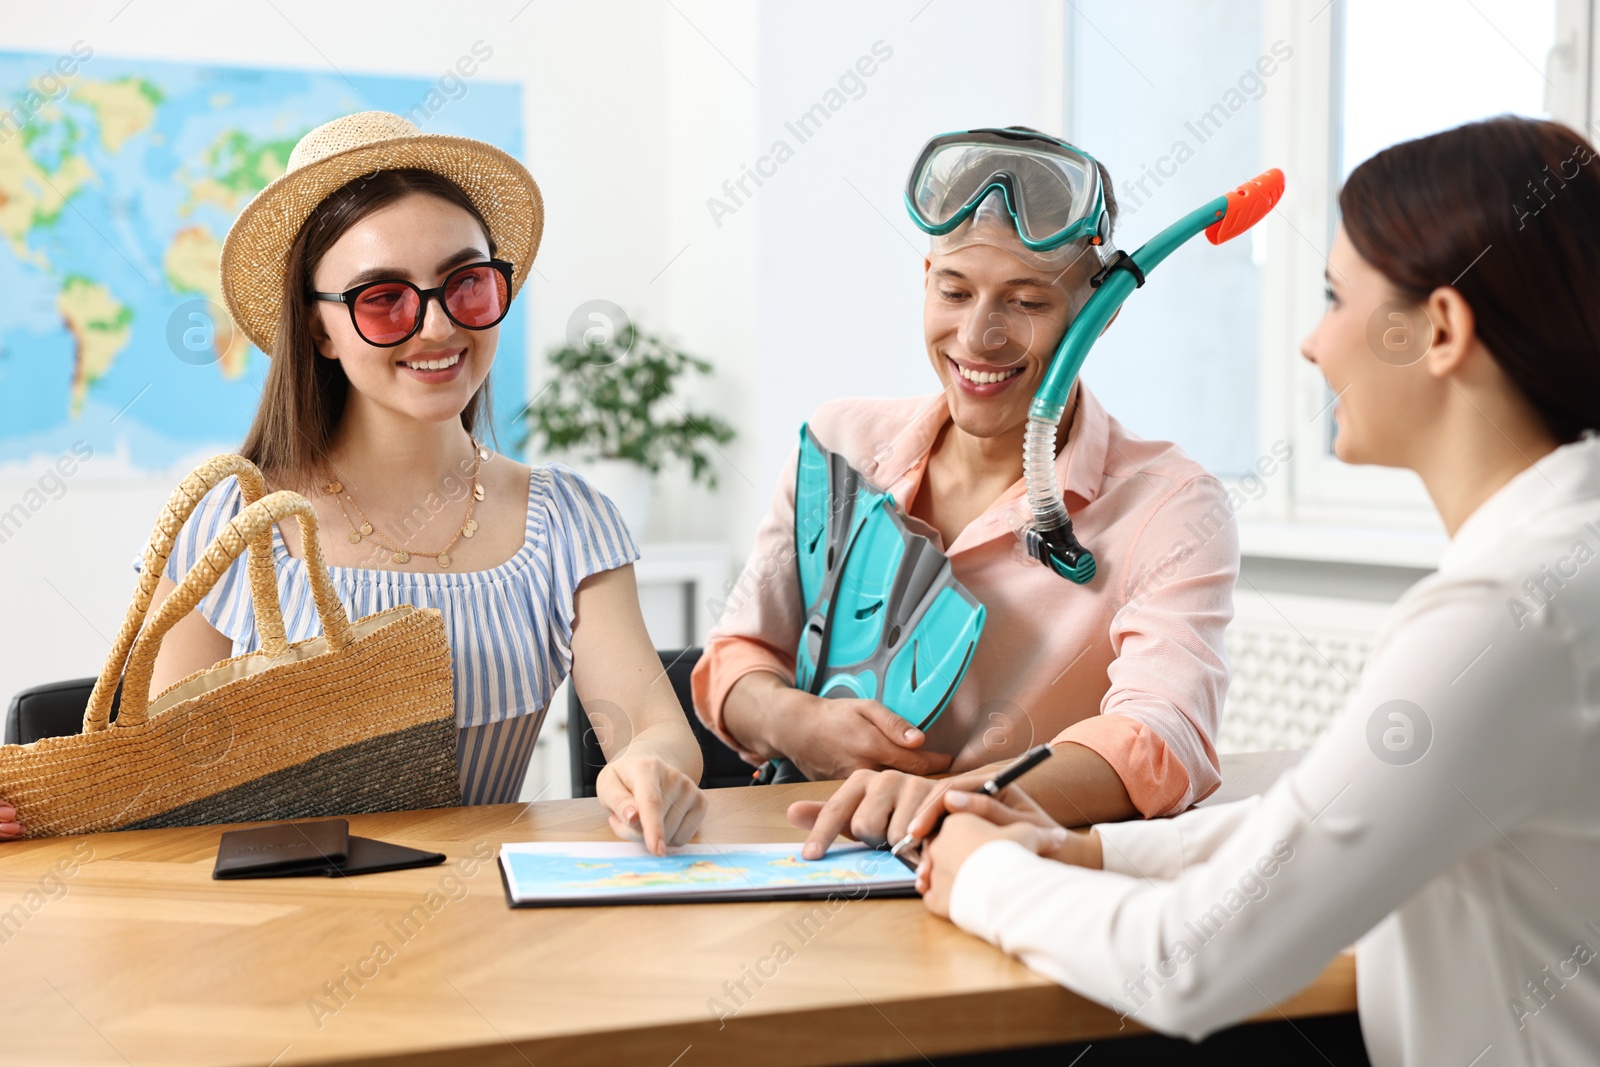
349,297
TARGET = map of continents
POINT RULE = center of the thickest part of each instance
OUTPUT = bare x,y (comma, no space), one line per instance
118,182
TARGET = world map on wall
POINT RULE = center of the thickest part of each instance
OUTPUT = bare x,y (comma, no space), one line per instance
118,182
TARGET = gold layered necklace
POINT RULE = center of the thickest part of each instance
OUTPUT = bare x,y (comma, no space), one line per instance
334,488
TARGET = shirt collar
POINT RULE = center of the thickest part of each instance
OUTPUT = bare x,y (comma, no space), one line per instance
1571,472
1080,466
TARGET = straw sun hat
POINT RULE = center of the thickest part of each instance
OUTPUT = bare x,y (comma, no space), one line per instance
255,252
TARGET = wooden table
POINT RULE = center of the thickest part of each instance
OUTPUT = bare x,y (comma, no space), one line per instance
120,949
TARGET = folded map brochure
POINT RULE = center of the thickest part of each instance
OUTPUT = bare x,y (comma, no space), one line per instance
571,873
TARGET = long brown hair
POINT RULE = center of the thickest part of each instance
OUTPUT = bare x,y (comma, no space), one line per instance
303,396
1507,212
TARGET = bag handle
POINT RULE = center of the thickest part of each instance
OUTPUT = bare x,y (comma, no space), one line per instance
246,528
180,505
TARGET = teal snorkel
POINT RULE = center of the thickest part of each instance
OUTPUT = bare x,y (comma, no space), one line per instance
1050,539
1035,196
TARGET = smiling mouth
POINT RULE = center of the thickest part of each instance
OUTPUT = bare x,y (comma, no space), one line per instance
435,364
979,377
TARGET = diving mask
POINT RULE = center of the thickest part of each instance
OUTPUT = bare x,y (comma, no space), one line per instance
1029,194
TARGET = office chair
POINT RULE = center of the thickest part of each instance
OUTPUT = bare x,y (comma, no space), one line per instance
51,710
723,767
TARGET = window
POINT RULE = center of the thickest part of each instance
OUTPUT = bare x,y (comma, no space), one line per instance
1169,97
1183,100
1401,69
1487,58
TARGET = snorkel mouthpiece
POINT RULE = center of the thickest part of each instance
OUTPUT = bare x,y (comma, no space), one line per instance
1050,539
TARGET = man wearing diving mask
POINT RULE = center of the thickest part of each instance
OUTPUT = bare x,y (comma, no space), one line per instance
1122,668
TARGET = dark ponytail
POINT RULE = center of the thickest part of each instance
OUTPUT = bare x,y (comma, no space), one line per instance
1507,211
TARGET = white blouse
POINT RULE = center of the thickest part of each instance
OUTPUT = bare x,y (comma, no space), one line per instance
1449,820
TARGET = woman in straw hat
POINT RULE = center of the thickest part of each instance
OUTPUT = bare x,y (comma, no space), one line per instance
375,273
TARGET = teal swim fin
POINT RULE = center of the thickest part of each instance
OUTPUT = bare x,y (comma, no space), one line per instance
885,617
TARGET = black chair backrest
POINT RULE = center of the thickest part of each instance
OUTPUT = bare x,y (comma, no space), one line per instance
51,710
723,766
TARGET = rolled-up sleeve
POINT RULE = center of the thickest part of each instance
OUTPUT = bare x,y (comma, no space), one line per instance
1158,721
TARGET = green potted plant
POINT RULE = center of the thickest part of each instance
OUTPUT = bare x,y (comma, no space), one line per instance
611,406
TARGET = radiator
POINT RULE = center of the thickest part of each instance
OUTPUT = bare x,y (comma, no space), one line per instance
1295,660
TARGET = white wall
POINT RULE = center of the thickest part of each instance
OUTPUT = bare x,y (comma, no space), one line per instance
841,263
635,113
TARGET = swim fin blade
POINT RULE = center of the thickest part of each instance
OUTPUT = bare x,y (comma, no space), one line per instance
828,510
886,619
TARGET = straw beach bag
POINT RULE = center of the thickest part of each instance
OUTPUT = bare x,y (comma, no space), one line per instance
360,719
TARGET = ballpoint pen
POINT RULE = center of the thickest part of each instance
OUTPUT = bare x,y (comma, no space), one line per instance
993,787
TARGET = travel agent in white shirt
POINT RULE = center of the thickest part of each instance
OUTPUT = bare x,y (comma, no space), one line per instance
1449,820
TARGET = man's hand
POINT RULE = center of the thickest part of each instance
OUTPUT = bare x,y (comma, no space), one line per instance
875,808
827,739
831,739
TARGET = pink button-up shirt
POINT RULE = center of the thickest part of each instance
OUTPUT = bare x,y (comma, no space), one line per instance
1131,665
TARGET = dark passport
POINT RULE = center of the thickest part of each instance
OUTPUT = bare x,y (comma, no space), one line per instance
326,848
282,850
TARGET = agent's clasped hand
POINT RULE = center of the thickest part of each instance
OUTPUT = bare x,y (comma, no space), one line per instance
975,819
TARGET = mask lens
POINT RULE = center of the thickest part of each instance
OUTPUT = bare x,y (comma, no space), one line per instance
476,297
386,313
1050,189
1055,193
949,180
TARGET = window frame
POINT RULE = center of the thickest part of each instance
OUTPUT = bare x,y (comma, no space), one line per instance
1301,127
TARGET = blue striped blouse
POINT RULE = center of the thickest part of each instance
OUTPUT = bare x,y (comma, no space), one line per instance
509,627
